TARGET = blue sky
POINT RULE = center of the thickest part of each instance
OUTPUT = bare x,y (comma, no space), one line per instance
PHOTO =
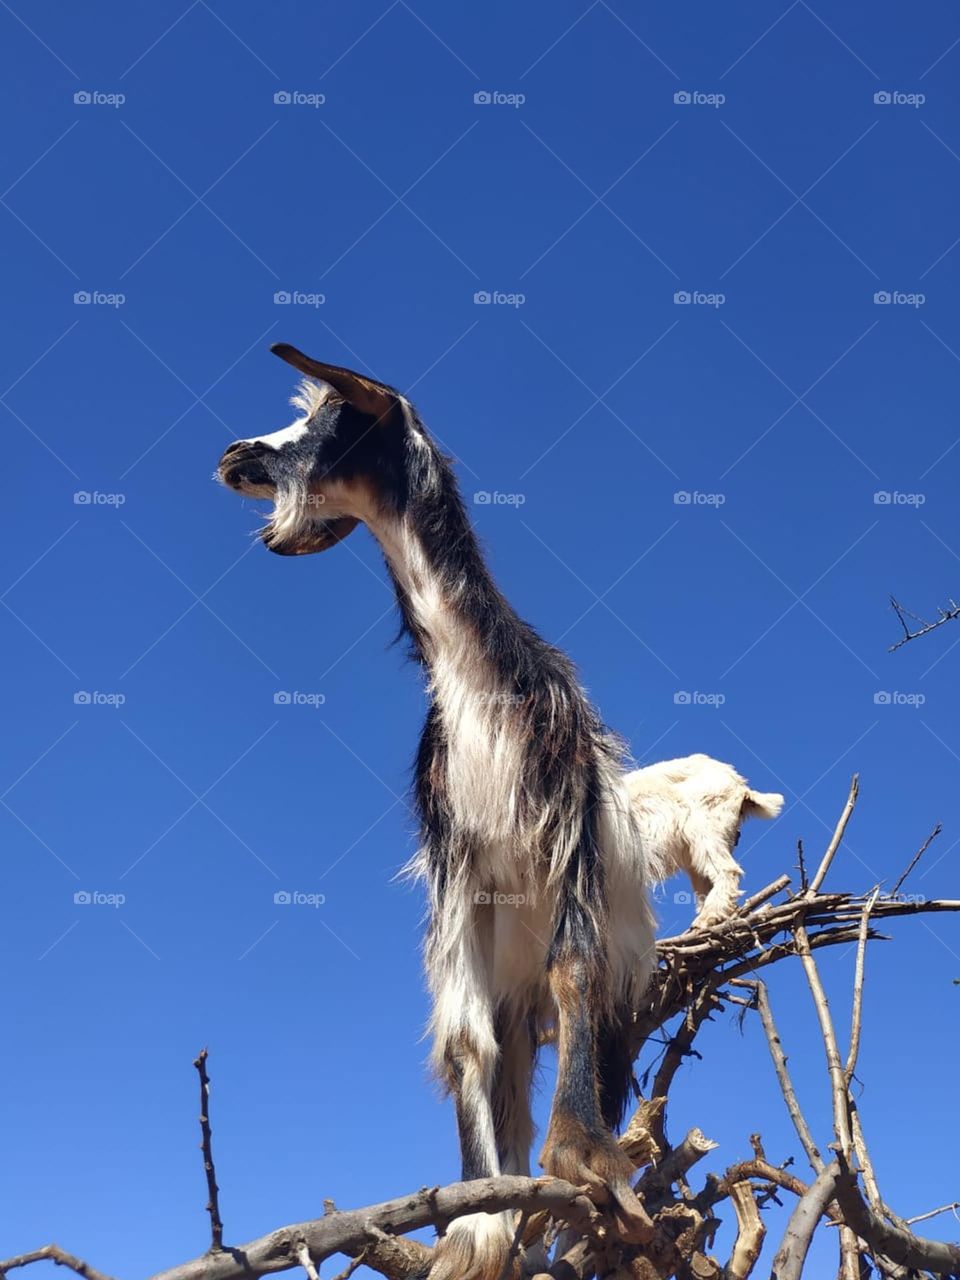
182,199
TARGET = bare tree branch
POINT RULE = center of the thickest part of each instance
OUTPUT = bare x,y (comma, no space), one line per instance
837,837
857,1016
933,1213
901,1246
349,1232
783,1075
206,1146
790,1257
943,615
750,1232
916,857
53,1253
841,1119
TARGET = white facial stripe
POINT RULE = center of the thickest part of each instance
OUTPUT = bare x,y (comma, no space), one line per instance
277,439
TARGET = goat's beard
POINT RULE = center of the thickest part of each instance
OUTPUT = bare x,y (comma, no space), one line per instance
296,526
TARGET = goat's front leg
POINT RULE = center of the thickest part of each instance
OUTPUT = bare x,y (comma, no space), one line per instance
465,1056
714,873
580,1146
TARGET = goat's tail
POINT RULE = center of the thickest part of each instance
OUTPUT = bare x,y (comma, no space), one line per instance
762,804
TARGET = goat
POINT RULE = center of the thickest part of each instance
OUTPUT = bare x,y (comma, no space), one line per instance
538,907
689,812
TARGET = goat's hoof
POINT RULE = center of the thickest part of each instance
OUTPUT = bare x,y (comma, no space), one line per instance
598,1164
707,919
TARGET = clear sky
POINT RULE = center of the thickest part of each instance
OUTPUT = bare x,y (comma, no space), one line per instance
376,202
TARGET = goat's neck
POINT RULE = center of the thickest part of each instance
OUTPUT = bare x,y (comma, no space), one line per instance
450,605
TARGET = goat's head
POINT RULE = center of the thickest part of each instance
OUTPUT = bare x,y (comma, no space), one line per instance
322,471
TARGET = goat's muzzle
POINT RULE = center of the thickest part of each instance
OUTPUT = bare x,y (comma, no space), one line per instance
242,468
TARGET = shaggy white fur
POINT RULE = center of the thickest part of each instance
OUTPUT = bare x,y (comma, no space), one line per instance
690,812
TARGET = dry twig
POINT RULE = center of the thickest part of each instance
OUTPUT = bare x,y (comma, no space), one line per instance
943,615
206,1146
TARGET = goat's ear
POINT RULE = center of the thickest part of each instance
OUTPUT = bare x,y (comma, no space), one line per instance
373,398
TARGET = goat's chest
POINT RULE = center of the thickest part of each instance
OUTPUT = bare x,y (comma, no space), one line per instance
483,766
484,750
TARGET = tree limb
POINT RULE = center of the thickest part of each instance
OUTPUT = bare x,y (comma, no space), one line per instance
750,1232
901,1246
53,1253
790,1257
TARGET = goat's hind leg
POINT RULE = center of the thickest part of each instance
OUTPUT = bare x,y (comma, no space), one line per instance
580,1145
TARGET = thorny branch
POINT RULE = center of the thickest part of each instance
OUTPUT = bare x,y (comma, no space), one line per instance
698,972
